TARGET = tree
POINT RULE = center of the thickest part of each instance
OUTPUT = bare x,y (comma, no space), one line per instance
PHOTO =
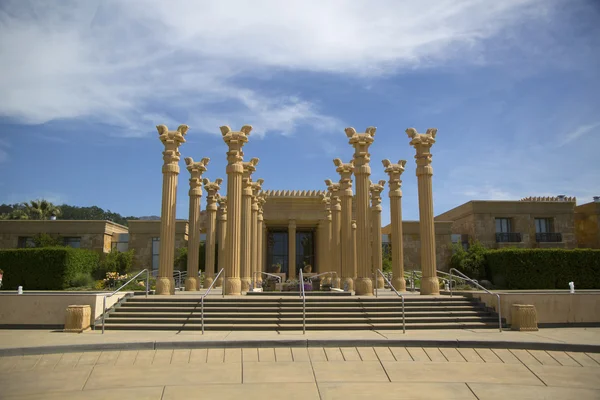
41,209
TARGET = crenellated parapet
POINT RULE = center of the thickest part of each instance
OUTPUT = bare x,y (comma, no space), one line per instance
550,199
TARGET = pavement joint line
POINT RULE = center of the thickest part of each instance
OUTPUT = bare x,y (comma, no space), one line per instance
306,343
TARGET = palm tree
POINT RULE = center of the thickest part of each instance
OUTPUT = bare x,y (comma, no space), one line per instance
41,209
15,214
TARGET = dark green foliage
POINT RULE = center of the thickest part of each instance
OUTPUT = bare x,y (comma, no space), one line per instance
470,262
82,279
41,209
181,257
543,268
49,268
45,240
115,261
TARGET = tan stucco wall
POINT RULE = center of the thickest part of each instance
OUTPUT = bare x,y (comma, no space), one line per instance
478,220
48,309
587,227
95,235
551,308
412,245
140,239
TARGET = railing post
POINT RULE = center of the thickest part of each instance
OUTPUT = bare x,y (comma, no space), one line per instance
403,316
147,283
103,312
450,282
202,313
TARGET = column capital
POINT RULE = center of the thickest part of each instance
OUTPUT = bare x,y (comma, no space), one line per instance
249,167
196,170
171,140
394,172
422,143
212,192
292,223
375,189
222,201
361,143
345,170
235,140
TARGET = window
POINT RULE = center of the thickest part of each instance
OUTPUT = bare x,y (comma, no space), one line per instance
503,225
544,225
155,251
25,242
74,242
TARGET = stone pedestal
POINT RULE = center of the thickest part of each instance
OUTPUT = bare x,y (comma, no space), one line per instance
376,252
222,230
78,318
235,169
362,171
523,317
346,241
246,251
394,172
292,249
212,194
422,143
196,170
333,190
165,284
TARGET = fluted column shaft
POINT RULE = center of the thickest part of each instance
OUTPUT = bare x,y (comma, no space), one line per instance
222,230
335,243
422,143
170,169
394,172
292,249
235,170
362,171
254,239
246,226
259,238
346,242
354,252
193,255
212,189
376,252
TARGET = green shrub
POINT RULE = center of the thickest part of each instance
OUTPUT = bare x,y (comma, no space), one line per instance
181,258
470,262
49,268
115,261
45,240
82,279
543,268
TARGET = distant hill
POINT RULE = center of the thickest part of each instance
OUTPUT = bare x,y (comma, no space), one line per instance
149,218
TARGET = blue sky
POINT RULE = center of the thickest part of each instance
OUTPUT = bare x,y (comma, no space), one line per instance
513,88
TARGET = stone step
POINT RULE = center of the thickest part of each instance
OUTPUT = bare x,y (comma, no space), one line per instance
212,309
298,319
242,300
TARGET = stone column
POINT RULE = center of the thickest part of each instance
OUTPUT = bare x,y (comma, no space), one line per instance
362,171
336,211
246,251
346,243
255,237
235,170
395,192
170,169
212,189
354,252
292,249
376,252
222,221
260,234
196,170
422,142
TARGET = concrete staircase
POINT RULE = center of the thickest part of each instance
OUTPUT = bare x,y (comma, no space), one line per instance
255,313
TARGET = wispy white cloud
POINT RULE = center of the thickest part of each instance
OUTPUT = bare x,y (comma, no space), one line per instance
579,132
116,62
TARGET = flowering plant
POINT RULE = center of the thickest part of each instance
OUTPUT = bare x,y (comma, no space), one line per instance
112,278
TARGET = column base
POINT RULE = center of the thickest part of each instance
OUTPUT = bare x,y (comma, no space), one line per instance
380,282
219,282
246,284
347,284
163,286
191,284
208,280
363,287
172,288
399,284
233,286
430,285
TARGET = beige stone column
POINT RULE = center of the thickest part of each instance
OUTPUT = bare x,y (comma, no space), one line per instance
260,236
170,169
346,242
362,171
292,249
354,252
254,237
336,219
246,224
212,189
222,230
193,254
394,172
235,170
422,142
376,252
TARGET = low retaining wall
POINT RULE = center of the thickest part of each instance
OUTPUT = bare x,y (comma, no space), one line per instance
553,308
47,309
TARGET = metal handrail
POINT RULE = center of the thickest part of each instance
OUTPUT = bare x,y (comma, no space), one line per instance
463,276
122,286
325,273
395,291
222,271
264,273
414,273
303,296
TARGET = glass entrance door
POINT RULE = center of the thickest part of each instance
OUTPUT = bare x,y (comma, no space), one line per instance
277,250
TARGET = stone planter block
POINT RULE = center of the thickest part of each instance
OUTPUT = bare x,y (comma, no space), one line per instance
524,317
77,318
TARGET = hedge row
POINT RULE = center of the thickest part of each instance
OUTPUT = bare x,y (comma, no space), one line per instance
48,268
543,268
